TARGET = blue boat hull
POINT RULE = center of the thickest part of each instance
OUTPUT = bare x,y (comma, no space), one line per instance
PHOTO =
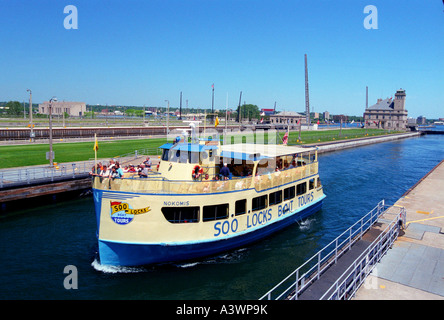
129,254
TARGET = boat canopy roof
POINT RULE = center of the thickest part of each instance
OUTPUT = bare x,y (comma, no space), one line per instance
249,151
193,147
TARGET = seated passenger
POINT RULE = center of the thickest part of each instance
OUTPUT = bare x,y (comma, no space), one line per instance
143,173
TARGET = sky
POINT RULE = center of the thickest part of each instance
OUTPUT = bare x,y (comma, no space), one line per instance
143,52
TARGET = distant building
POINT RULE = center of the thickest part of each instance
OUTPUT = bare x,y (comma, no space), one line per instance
411,122
326,115
267,112
421,120
75,109
289,117
387,113
340,117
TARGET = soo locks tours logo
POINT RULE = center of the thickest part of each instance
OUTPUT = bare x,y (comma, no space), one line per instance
123,213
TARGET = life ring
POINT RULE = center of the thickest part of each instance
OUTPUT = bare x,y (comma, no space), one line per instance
197,172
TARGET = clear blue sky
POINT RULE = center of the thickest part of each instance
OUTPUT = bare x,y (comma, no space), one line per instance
138,52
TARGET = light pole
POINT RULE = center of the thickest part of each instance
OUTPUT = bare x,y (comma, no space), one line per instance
30,115
168,116
51,156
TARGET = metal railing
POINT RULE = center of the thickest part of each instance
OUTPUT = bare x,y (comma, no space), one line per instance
299,280
351,279
157,184
13,177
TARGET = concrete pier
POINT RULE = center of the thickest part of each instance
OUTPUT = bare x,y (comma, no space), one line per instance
414,268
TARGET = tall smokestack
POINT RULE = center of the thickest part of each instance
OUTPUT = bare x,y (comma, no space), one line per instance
180,110
366,97
307,102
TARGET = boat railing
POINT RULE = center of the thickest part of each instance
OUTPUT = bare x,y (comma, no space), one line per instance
158,184
278,178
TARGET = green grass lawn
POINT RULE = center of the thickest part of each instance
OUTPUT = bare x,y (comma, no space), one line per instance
28,155
310,137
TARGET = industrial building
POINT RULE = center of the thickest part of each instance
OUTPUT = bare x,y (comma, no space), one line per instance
74,109
389,114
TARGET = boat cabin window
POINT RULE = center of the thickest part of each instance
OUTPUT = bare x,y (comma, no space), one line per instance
165,154
301,188
180,156
275,197
289,193
259,203
240,207
193,157
311,184
181,214
216,212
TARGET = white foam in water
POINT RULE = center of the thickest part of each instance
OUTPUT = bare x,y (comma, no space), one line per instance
115,269
305,224
188,265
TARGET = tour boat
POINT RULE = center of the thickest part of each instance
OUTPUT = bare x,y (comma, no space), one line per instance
186,209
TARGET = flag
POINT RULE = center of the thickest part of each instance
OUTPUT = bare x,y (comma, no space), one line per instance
285,140
216,122
96,143
262,120
318,121
212,86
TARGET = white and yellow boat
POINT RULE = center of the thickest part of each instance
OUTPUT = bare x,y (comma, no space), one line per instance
176,214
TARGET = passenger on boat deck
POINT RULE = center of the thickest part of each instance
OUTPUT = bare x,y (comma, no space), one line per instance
111,164
94,170
131,168
144,172
292,165
225,172
207,177
119,170
147,163
114,173
104,172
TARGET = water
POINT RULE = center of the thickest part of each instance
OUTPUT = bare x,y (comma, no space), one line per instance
36,244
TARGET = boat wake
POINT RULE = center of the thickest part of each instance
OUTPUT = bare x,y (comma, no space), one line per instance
306,223
115,269
230,257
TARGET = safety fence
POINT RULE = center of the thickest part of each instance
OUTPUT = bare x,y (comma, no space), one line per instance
292,286
22,176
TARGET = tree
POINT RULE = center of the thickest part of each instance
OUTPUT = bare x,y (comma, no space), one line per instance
250,111
14,108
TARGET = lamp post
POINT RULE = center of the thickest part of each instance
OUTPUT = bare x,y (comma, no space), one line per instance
51,157
30,115
168,116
